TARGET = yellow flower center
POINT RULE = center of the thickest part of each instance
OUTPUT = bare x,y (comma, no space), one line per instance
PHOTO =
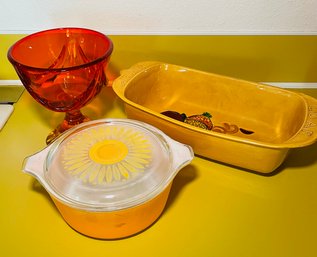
108,151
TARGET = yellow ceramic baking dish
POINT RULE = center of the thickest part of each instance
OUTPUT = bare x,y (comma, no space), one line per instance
271,120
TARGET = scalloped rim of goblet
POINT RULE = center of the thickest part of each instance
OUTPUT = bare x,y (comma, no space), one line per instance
97,60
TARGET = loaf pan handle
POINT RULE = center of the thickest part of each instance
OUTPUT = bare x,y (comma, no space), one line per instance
120,83
308,133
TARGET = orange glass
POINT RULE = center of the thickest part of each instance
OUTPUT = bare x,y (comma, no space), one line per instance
63,69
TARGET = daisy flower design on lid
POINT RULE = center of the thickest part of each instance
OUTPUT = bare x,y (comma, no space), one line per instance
107,154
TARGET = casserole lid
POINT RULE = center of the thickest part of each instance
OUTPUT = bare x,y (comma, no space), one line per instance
111,164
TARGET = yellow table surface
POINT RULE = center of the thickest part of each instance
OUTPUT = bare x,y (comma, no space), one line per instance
213,209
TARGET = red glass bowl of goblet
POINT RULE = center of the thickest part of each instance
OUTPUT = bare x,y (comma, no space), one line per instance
63,69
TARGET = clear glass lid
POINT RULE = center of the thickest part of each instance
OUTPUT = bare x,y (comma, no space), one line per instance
110,165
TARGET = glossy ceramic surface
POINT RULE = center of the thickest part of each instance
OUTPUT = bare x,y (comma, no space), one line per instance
63,69
279,119
109,178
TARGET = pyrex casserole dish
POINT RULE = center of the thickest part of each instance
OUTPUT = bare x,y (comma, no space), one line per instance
109,178
277,119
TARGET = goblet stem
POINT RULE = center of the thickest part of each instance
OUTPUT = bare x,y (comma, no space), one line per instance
71,119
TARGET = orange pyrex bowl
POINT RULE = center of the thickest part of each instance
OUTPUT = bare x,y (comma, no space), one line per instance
279,119
109,178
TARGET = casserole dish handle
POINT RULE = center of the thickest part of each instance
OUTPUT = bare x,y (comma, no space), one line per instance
308,133
35,165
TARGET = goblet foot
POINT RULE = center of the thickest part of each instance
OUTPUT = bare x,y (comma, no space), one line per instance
71,119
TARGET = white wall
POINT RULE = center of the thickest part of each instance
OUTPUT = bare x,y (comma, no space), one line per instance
206,17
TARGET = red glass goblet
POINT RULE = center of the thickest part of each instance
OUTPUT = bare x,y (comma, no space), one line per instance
63,69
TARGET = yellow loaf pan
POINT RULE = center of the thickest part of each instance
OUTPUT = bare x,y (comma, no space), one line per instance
279,119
